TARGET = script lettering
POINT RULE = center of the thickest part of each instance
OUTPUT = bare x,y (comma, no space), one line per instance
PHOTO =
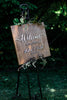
27,37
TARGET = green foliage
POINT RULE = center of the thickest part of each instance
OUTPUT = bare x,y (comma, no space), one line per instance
53,14
54,83
16,21
58,58
31,6
8,10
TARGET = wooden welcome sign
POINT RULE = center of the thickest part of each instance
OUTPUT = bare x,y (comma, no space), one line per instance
30,41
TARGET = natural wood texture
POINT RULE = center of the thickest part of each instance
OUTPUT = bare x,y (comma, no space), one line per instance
30,41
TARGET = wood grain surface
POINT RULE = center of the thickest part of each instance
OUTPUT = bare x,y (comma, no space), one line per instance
30,41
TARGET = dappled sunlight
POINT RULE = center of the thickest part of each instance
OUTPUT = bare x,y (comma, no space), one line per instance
58,12
55,93
52,90
65,95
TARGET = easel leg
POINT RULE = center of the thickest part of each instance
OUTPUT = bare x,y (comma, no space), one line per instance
17,89
28,86
39,84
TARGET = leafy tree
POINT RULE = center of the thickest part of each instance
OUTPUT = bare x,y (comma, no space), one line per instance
52,12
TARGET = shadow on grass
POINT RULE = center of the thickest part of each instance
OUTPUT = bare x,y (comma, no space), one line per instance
19,98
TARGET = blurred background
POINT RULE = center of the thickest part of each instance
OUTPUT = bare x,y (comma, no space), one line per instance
54,15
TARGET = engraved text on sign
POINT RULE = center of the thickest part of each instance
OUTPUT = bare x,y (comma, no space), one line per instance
30,41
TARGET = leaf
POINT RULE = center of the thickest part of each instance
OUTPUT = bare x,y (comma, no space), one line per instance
22,20
31,6
16,21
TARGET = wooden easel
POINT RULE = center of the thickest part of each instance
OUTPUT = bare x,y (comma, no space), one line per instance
30,41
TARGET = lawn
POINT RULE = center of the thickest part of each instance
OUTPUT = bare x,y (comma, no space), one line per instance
53,84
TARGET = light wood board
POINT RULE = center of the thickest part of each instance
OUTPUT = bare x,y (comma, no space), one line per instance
30,41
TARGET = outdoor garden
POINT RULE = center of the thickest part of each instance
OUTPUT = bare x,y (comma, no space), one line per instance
52,69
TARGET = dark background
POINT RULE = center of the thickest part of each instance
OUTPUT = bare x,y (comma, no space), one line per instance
54,15
53,70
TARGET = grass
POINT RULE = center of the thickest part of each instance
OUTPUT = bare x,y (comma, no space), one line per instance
53,84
